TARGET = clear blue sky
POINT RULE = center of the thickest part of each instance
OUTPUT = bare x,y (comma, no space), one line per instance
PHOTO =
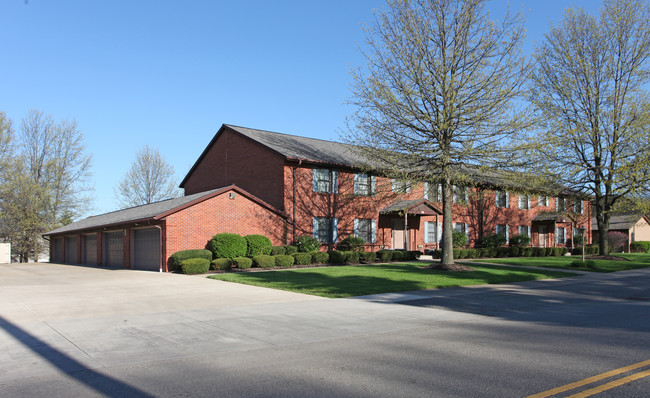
169,73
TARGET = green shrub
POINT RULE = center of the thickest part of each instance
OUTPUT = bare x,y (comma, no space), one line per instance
398,255
177,258
352,257
352,243
458,239
473,253
640,246
563,251
242,262
336,256
275,250
257,244
385,256
493,240
224,264
367,257
514,251
412,255
490,252
520,240
306,244
228,245
503,251
320,257
285,260
583,264
264,261
195,266
301,258
456,253
592,250
526,252
290,250
548,251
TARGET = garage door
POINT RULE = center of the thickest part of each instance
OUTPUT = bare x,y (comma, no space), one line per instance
146,249
89,249
114,249
57,250
71,250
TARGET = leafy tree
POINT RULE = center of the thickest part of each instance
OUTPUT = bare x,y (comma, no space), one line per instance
589,90
438,89
6,142
150,179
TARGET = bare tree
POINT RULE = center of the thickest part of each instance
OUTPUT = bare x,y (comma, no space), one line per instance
6,142
589,90
150,179
438,91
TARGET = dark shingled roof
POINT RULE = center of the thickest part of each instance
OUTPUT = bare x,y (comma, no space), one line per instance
412,206
620,222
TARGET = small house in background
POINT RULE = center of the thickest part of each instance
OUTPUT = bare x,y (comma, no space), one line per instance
635,226
5,253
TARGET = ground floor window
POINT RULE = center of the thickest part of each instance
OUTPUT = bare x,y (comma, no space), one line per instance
503,230
560,235
430,232
366,229
524,230
326,229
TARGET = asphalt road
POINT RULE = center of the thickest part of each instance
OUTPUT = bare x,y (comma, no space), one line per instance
75,331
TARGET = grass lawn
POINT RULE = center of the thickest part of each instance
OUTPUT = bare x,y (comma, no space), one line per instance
349,281
637,260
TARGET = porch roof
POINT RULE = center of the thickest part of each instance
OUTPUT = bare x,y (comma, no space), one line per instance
552,216
421,207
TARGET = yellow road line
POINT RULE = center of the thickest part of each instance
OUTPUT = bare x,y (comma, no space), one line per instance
590,380
611,384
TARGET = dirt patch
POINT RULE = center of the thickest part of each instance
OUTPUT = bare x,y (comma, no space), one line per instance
452,267
610,258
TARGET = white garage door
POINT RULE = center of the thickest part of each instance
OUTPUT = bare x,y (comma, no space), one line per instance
146,249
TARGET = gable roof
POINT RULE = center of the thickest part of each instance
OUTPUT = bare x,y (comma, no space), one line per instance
154,211
414,206
621,222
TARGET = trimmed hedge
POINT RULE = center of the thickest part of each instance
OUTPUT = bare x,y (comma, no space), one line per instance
224,264
242,262
367,257
352,257
640,246
195,266
301,258
336,256
284,260
290,249
384,255
398,255
228,245
257,244
320,257
177,258
352,243
275,250
264,261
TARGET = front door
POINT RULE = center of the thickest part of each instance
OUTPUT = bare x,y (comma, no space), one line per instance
399,235
542,236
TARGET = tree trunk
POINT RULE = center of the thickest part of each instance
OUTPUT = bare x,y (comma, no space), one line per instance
602,220
447,243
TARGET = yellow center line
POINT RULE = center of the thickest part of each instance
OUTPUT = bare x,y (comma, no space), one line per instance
611,384
590,380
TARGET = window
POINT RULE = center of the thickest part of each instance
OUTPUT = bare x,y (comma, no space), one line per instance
524,230
459,194
524,201
325,180
366,228
560,235
400,186
364,184
542,200
433,192
431,232
577,207
502,199
326,229
503,230
560,204
460,227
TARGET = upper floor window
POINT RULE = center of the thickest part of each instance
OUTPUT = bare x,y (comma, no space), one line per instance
459,194
560,203
577,206
364,184
433,192
366,228
542,201
502,199
325,180
524,201
400,186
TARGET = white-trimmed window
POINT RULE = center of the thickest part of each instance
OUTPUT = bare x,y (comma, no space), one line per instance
430,232
459,194
524,230
560,203
326,229
542,201
461,227
577,206
433,192
325,180
560,235
400,186
366,229
524,201
364,184
503,230
502,199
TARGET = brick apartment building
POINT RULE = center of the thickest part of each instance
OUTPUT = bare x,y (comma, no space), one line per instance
250,181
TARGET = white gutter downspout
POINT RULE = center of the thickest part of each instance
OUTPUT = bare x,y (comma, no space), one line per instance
160,243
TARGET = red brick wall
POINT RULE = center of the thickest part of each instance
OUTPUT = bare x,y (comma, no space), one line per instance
192,228
236,159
